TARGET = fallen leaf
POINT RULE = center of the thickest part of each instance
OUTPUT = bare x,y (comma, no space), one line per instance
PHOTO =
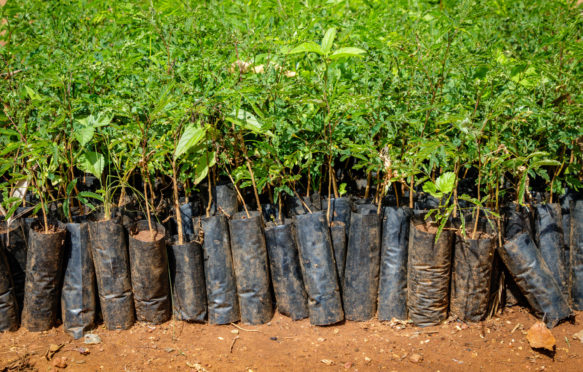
53,349
539,336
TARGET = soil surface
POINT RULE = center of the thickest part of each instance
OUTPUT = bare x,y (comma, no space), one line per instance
146,236
283,344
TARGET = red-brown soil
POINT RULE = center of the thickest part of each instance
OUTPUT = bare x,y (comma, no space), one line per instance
497,344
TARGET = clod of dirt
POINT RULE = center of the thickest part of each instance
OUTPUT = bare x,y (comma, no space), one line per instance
578,335
415,358
540,337
327,362
60,362
92,339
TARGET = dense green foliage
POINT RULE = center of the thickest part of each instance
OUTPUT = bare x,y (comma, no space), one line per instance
402,90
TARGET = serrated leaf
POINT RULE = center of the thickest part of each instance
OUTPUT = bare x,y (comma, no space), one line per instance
430,188
91,162
192,136
307,47
328,40
347,52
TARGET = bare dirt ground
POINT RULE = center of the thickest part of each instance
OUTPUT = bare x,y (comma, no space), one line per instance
499,343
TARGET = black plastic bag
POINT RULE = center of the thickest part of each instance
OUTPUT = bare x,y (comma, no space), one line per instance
251,268
550,241
318,269
524,261
149,273
286,273
44,270
188,285
576,244
472,276
339,242
517,219
428,273
361,274
79,293
14,241
392,299
223,305
112,270
8,304
225,201
340,210
186,214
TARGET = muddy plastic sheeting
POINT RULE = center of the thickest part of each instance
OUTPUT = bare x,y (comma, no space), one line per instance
524,261
14,241
8,304
392,299
149,274
112,270
472,276
188,285
251,268
318,269
223,305
286,273
428,274
361,274
549,239
576,275
79,293
44,269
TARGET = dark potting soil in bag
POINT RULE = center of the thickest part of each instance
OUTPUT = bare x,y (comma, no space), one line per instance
223,305
472,275
188,285
14,242
339,242
79,292
524,261
286,273
428,273
149,273
294,207
8,305
361,274
365,208
44,274
318,269
392,299
576,275
270,213
112,270
251,267
549,239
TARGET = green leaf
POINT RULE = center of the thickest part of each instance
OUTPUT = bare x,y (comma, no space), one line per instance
347,52
89,194
307,47
91,162
84,135
446,182
204,164
328,40
192,136
429,187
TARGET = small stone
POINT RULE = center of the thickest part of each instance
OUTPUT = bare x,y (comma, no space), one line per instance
327,362
60,362
347,365
273,338
539,336
367,359
578,335
235,331
321,339
168,349
336,330
415,358
92,339
220,338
